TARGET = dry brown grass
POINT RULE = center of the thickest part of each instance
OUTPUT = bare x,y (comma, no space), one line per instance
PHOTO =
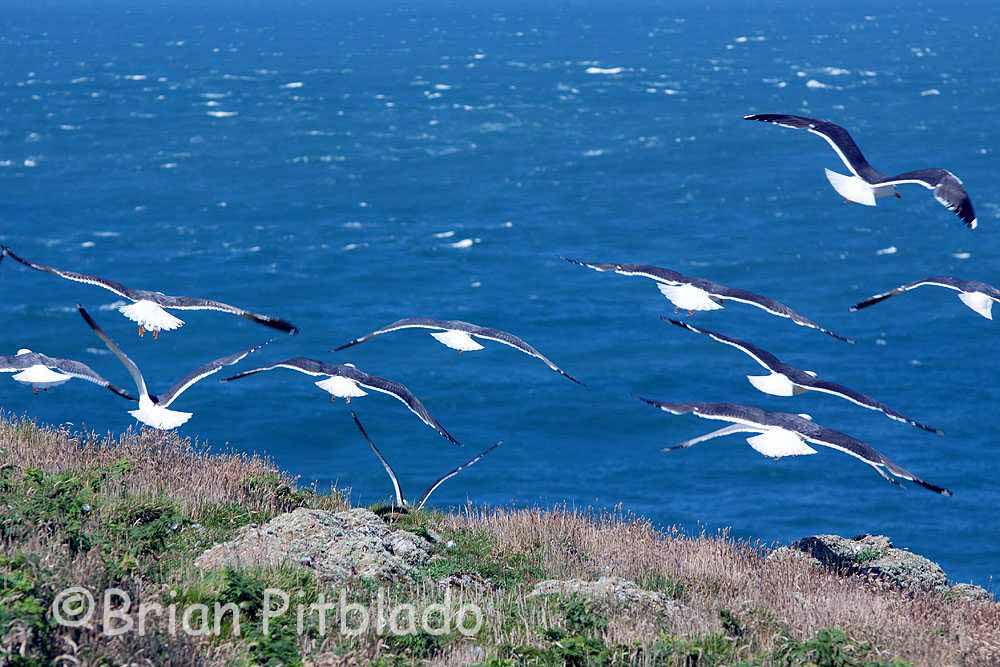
158,464
787,596
772,599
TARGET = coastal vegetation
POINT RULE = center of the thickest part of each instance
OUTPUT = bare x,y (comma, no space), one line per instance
135,512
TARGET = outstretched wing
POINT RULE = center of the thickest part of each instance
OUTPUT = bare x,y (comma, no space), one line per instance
400,500
406,323
948,191
203,372
444,478
839,138
935,281
129,365
109,285
761,356
82,371
191,303
767,304
300,364
865,401
513,341
656,273
819,435
396,390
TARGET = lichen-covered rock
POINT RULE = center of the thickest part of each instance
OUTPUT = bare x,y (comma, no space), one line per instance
613,590
970,592
873,556
337,545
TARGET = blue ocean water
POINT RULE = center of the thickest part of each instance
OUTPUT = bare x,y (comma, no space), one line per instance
327,162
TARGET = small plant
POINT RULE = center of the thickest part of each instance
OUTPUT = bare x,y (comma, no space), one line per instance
867,555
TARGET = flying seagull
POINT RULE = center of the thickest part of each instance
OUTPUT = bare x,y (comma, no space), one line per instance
781,434
692,294
401,502
785,380
867,183
459,336
43,372
154,410
346,381
974,294
149,309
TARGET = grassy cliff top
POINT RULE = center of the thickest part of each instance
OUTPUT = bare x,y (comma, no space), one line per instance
135,511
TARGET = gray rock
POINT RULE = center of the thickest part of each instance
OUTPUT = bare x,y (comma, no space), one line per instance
969,592
466,582
336,545
874,557
613,590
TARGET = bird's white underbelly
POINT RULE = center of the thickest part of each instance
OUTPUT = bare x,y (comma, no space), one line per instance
457,340
979,302
778,442
341,387
857,189
41,377
775,384
688,297
150,316
158,417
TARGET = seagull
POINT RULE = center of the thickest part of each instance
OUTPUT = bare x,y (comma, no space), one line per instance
154,410
459,335
149,309
974,294
693,294
786,380
401,502
43,372
781,434
346,381
867,183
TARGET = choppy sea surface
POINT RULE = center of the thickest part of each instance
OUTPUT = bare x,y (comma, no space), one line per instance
347,164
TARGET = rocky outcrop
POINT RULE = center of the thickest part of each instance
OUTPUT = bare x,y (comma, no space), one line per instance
874,557
336,545
612,590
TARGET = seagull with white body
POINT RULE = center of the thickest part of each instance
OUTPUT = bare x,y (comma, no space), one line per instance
786,380
459,336
401,502
781,434
346,381
695,294
149,309
866,184
42,372
978,296
155,410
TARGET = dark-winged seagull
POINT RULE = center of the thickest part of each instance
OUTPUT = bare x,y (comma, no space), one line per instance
345,381
149,309
154,410
693,294
867,183
459,336
401,502
781,434
976,295
786,380
42,372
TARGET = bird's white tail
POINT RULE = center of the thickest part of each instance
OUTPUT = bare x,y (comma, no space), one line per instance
150,316
775,384
979,302
457,340
778,443
851,188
